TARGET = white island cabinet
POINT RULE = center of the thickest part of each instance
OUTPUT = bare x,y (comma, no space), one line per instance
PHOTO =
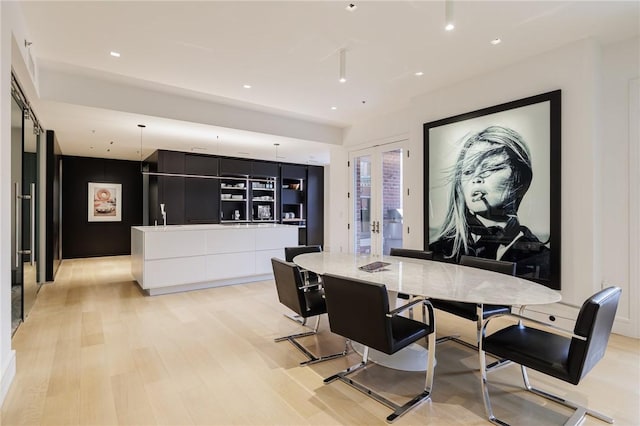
168,259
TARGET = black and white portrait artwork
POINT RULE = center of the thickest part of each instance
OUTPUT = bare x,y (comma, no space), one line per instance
491,182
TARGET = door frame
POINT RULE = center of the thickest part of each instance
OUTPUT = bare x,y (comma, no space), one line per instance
376,200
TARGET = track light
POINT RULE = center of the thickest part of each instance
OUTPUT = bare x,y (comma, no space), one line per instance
448,15
343,65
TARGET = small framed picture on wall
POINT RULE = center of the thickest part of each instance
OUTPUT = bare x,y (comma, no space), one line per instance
105,202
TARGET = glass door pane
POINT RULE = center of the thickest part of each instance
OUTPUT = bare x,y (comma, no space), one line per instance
391,199
16,214
362,204
29,213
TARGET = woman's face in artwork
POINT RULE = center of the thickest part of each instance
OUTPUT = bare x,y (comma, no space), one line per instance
486,180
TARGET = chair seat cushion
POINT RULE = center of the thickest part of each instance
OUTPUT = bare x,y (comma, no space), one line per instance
406,331
540,350
468,310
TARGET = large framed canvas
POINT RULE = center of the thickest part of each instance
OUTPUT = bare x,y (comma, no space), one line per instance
492,186
105,202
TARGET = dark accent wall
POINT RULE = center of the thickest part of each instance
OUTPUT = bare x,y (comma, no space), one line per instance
81,238
52,206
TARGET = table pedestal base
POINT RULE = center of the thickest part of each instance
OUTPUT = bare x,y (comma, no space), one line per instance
411,358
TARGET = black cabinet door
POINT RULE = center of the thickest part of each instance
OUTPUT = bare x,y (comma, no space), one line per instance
235,167
293,172
315,205
202,200
204,165
264,169
171,194
171,162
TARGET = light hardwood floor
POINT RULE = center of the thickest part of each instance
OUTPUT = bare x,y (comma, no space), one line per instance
95,350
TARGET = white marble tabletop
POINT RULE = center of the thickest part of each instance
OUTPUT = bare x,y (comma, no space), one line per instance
433,279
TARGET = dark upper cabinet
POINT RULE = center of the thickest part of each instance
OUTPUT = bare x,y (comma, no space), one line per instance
293,172
315,205
264,169
201,195
204,165
171,162
235,167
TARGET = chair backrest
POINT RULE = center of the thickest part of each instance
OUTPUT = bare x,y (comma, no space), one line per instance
288,282
357,311
414,254
594,322
291,252
508,268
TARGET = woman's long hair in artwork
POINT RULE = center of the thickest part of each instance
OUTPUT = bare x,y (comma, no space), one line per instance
501,140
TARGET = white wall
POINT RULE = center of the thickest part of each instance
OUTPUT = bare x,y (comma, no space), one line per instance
619,163
588,111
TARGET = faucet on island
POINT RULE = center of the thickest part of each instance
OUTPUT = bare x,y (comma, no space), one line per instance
164,215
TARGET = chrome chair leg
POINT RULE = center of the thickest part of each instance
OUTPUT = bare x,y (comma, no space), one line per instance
485,389
297,319
576,418
399,410
311,357
579,410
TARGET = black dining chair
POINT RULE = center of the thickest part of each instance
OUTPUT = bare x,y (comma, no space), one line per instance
552,351
412,254
359,311
472,311
306,301
291,252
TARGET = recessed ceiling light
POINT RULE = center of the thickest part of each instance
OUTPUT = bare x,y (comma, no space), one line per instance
342,80
351,7
419,73
496,41
115,54
247,86
449,27
334,108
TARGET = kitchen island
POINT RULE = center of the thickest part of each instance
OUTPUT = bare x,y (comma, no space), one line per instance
169,259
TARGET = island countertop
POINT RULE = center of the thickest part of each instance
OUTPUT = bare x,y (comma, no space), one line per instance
203,227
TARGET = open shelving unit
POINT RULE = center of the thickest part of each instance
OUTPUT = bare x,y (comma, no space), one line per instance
233,198
263,199
253,199
293,201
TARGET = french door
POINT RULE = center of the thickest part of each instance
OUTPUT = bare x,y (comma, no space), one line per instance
376,199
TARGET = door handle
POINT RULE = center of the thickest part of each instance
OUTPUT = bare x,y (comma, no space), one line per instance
17,214
32,204
18,219
377,226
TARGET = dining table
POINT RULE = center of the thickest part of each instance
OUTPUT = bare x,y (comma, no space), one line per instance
430,280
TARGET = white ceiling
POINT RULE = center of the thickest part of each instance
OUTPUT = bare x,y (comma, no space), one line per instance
289,53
